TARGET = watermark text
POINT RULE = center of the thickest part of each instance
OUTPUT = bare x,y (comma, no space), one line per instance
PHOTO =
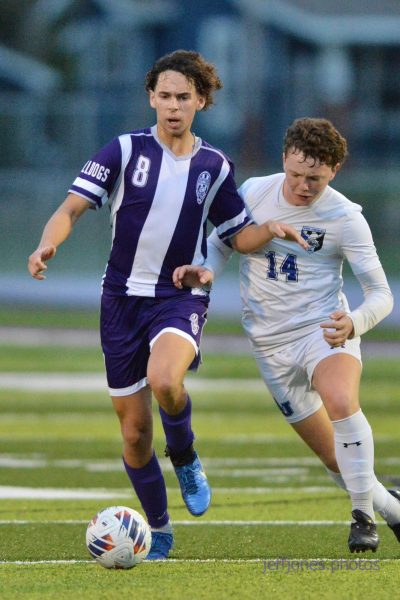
334,565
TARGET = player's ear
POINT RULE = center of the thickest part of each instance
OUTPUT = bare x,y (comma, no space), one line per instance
335,169
152,99
201,101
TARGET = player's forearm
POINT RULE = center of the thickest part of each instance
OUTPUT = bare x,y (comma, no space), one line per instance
61,223
57,229
378,301
251,238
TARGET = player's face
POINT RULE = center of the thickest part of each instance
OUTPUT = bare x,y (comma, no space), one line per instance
305,179
176,101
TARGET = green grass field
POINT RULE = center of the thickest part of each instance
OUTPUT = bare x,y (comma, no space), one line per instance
277,527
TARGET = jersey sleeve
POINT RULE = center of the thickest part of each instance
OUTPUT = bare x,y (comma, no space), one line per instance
357,244
359,249
218,254
98,176
378,301
227,212
246,191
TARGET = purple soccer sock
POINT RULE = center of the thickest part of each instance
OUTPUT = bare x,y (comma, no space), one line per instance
178,428
149,485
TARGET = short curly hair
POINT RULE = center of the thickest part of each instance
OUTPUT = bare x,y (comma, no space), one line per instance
196,69
317,139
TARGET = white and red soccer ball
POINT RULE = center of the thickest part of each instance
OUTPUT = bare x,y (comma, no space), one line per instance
118,537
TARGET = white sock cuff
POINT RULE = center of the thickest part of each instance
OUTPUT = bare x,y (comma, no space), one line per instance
167,528
353,428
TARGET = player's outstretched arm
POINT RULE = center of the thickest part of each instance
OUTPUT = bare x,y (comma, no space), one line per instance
253,237
56,231
192,276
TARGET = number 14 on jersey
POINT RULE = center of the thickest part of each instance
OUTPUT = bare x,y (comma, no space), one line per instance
288,267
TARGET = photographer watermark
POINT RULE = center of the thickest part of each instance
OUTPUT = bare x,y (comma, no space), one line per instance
333,565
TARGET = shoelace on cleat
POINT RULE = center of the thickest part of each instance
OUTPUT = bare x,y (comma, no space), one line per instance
189,479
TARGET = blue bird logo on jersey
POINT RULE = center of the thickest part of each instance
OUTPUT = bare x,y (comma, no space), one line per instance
202,186
314,236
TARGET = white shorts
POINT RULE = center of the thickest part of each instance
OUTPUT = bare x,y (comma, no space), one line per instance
288,373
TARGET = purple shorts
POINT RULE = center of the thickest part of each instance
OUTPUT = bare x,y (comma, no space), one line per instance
129,326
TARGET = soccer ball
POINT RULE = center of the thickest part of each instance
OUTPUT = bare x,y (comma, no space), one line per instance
118,537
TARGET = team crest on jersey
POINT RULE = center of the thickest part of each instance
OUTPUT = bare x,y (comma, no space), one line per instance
314,236
202,186
194,322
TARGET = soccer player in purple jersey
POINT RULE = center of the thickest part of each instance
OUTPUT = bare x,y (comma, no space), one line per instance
162,184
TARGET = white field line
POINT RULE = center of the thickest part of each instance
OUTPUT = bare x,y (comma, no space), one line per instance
274,473
93,382
277,561
40,460
216,523
217,467
228,467
246,465
30,493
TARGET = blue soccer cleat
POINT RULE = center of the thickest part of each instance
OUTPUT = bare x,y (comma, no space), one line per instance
161,544
196,491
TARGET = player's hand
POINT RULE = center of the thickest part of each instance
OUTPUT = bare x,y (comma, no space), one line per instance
287,232
37,261
191,276
338,330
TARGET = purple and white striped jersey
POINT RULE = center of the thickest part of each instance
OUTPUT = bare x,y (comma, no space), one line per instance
159,207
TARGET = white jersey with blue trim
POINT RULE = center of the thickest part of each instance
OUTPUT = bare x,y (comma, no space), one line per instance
285,289
159,206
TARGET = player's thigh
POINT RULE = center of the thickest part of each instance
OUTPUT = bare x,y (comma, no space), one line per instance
334,373
289,385
337,380
175,339
171,356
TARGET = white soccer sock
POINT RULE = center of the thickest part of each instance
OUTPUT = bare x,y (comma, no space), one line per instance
167,528
383,502
354,449
337,478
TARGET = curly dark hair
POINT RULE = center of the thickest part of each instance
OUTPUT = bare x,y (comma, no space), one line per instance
196,69
317,139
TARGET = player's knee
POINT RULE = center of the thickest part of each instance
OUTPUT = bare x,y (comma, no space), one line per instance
136,429
340,404
137,436
165,387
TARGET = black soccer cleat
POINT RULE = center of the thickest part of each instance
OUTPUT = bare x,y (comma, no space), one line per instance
363,534
396,527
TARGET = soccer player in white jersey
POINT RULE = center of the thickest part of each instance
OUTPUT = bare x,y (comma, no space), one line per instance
162,184
304,336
